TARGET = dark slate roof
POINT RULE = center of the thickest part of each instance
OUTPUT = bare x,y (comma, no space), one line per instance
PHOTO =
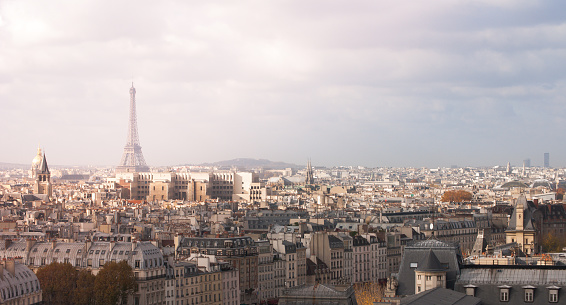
335,242
430,263
448,255
360,241
312,266
440,296
34,197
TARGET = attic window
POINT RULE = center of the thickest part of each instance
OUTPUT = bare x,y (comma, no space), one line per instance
413,265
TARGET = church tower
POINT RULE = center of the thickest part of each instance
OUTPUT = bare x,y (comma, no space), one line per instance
309,180
43,179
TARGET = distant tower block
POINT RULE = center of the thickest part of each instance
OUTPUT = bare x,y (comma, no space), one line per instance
132,159
546,160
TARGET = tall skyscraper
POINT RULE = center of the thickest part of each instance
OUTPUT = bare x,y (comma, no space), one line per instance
546,160
132,159
527,162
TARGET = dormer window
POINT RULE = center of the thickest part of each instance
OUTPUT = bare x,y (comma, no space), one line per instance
529,293
470,290
553,294
504,293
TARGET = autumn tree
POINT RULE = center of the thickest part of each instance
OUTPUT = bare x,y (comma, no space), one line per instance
58,282
560,193
551,243
368,293
114,283
84,292
456,196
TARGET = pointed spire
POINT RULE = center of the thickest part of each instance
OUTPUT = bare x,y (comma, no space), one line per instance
43,168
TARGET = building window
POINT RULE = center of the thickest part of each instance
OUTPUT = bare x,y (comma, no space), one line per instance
504,295
553,295
528,295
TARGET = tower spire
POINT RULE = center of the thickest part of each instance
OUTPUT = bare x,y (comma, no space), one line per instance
309,175
132,158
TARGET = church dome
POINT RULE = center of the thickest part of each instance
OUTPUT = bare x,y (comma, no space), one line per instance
37,160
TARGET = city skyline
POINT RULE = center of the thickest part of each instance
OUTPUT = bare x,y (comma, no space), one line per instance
374,84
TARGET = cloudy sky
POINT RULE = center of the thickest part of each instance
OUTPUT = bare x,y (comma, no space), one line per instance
372,83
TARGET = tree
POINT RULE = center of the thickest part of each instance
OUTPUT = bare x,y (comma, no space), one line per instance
456,196
560,193
551,243
58,282
368,293
84,292
114,283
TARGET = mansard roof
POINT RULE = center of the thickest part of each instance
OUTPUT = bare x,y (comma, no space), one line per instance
11,284
448,257
79,254
430,263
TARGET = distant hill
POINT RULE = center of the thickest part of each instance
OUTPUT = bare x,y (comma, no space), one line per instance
252,163
13,166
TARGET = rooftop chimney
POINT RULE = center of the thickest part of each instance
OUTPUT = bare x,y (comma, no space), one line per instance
11,266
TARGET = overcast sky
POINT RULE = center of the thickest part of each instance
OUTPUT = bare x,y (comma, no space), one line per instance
371,83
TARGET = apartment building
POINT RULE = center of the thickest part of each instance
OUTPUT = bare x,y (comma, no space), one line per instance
18,284
330,249
266,271
362,260
145,259
240,252
199,186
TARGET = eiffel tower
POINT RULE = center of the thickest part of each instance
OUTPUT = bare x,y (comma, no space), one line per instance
132,159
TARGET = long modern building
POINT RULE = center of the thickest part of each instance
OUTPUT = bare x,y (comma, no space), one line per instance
198,186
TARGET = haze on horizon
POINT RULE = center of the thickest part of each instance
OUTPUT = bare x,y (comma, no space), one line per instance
371,83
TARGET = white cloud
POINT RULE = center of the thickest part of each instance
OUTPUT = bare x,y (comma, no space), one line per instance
282,80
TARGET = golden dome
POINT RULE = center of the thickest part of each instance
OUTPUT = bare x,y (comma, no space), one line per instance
37,160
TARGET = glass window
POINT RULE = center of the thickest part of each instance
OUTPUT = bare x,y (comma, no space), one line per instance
504,295
528,295
553,296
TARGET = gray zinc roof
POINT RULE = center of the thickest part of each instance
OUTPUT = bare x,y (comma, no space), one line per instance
440,296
